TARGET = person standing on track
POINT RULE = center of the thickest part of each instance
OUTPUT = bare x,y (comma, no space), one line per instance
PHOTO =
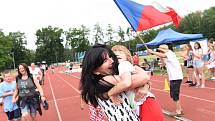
136,59
99,83
198,65
172,64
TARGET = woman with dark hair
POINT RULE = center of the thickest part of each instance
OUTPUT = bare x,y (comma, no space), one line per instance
99,83
26,92
198,65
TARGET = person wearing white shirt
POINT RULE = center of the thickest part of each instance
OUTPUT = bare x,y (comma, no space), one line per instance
36,72
172,64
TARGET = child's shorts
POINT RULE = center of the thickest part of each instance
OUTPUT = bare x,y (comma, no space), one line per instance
198,63
15,114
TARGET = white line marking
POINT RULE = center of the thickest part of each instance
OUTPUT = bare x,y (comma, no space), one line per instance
66,98
55,102
187,96
183,84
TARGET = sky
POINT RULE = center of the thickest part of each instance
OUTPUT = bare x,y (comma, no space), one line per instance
30,15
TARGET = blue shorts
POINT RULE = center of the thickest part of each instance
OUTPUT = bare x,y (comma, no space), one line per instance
29,109
198,63
15,114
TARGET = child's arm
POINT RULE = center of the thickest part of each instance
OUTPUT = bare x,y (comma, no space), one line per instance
15,96
141,92
122,84
140,78
9,93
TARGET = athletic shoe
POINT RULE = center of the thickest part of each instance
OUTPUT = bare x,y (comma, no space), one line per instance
202,86
189,81
192,84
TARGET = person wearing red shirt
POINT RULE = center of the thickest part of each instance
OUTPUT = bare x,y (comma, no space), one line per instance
136,59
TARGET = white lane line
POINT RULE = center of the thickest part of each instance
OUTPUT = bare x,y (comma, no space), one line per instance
187,96
55,102
184,84
66,98
69,84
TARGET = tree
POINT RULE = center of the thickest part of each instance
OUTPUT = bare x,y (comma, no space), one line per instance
109,34
78,40
5,49
208,22
49,45
98,34
19,50
191,23
121,34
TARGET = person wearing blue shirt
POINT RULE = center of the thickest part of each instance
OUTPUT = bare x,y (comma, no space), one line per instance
7,88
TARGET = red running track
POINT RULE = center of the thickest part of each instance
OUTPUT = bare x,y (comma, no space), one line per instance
62,94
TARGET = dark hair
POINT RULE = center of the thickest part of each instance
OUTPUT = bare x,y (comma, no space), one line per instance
211,40
26,68
90,85
199,46
170,46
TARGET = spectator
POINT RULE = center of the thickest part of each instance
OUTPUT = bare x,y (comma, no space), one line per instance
136,59
211,56
198,65
36,72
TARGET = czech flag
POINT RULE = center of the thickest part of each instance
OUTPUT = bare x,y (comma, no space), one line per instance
142,17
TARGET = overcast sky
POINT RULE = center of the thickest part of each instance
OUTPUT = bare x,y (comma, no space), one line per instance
30,15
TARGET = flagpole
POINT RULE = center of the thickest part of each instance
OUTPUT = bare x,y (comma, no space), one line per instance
142,40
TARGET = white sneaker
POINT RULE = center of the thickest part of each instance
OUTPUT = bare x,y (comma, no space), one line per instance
202,86
197,86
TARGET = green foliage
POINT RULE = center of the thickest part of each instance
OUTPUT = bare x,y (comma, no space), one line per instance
191,23
77,38
5,49
121,34
109,35
19,50
49,45
208,23
98,35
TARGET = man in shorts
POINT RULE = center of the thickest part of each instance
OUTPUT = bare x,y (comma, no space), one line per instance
172,64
